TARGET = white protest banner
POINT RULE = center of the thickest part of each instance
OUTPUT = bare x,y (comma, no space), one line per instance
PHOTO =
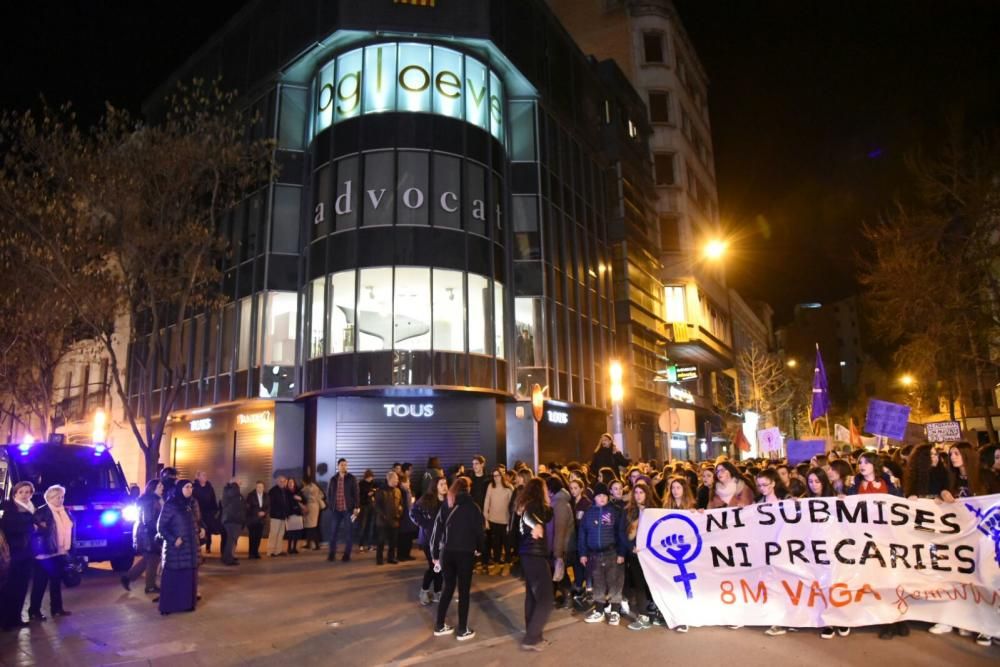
943,431
816,562
769,439
841,433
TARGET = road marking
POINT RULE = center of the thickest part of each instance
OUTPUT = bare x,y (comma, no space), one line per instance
462,650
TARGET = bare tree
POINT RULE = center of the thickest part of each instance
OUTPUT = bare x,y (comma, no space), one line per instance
766,387
139,240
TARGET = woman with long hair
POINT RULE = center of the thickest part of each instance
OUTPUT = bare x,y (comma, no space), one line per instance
966,482
423,513
144,539
729,489
706,481
840,474
926,475
642,497
455,542
17,521
533,512
818,484
296,516
678,494
178,529
496,509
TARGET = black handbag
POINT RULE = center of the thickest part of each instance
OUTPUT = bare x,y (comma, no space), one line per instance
73,572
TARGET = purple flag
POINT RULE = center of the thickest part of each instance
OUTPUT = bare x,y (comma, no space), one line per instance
820,389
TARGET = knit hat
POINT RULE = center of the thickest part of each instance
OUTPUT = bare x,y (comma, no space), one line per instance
601,489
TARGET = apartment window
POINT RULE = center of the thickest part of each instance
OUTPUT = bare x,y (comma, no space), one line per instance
659,106
670,233
652,47
663,164
673,298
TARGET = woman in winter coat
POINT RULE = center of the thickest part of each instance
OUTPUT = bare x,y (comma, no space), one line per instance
407,527
496,509
51,544
561,535
456,541
178,529
314,505
423,513
144,539
642,498
533,512
233,519
297,505
17,524
729,489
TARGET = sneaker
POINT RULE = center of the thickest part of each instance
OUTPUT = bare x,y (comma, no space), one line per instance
886,632
939,629
436,598
984,640
443,630
827,633
595,616
465,636
735,627
657,619
964,633
843,632
640,623
775,631
681,628
614,618
424,597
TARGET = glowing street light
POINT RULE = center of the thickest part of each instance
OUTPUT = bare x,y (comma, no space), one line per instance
907,380
792,363
100,427
617,395
715,249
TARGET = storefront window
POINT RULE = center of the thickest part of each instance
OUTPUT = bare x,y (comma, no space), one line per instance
411,319
279,332
342,312
316,340
449,311
479,315
243,349
375,310
529,348
498,319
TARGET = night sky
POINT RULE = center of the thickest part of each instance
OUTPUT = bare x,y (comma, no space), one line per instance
813,104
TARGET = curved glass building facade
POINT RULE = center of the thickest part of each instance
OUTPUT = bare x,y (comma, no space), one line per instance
439,239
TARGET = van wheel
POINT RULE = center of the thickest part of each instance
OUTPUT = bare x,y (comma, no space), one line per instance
121,564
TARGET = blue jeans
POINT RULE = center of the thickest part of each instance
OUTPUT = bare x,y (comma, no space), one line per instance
338,519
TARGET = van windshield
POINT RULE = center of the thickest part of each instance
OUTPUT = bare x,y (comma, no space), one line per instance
76,468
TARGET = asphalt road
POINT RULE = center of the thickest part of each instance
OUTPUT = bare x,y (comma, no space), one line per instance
302,610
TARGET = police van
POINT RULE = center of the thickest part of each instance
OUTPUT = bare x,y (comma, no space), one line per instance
97,493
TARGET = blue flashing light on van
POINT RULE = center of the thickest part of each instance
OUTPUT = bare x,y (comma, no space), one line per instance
96,493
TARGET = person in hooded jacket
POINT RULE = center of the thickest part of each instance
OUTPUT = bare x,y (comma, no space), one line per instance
51,544
533,515
233,519
457,539
178,529
144,539
561,535
17,520
606,455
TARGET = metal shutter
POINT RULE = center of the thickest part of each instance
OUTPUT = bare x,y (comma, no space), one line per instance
378,446
210,453
254,458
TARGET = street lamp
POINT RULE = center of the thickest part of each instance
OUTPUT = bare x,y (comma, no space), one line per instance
715,249
100,434
791,363
617,396
907,380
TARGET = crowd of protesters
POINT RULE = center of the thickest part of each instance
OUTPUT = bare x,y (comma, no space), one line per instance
567,529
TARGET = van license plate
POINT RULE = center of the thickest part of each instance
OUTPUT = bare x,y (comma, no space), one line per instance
88,544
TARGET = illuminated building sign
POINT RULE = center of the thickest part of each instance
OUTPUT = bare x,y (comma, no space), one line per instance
408,410
557,416
679,394
254,418
407,77
204,424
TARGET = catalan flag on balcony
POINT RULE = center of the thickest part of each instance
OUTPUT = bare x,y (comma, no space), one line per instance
419,3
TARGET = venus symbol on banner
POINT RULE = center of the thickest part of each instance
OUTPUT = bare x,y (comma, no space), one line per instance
677,548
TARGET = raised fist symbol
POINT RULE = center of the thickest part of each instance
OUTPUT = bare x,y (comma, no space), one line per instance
676,546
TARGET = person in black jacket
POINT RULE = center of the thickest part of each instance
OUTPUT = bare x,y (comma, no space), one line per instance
144,538
208,505
257,507
178,529
279,510
533,512
17,523
457,538
606,455
233,519
423,513
480,483
50,544
344,498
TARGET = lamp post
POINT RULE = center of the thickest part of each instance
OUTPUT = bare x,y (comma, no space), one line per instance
617,396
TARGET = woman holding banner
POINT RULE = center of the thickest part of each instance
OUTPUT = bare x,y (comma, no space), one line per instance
820,487
729,490
642,497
